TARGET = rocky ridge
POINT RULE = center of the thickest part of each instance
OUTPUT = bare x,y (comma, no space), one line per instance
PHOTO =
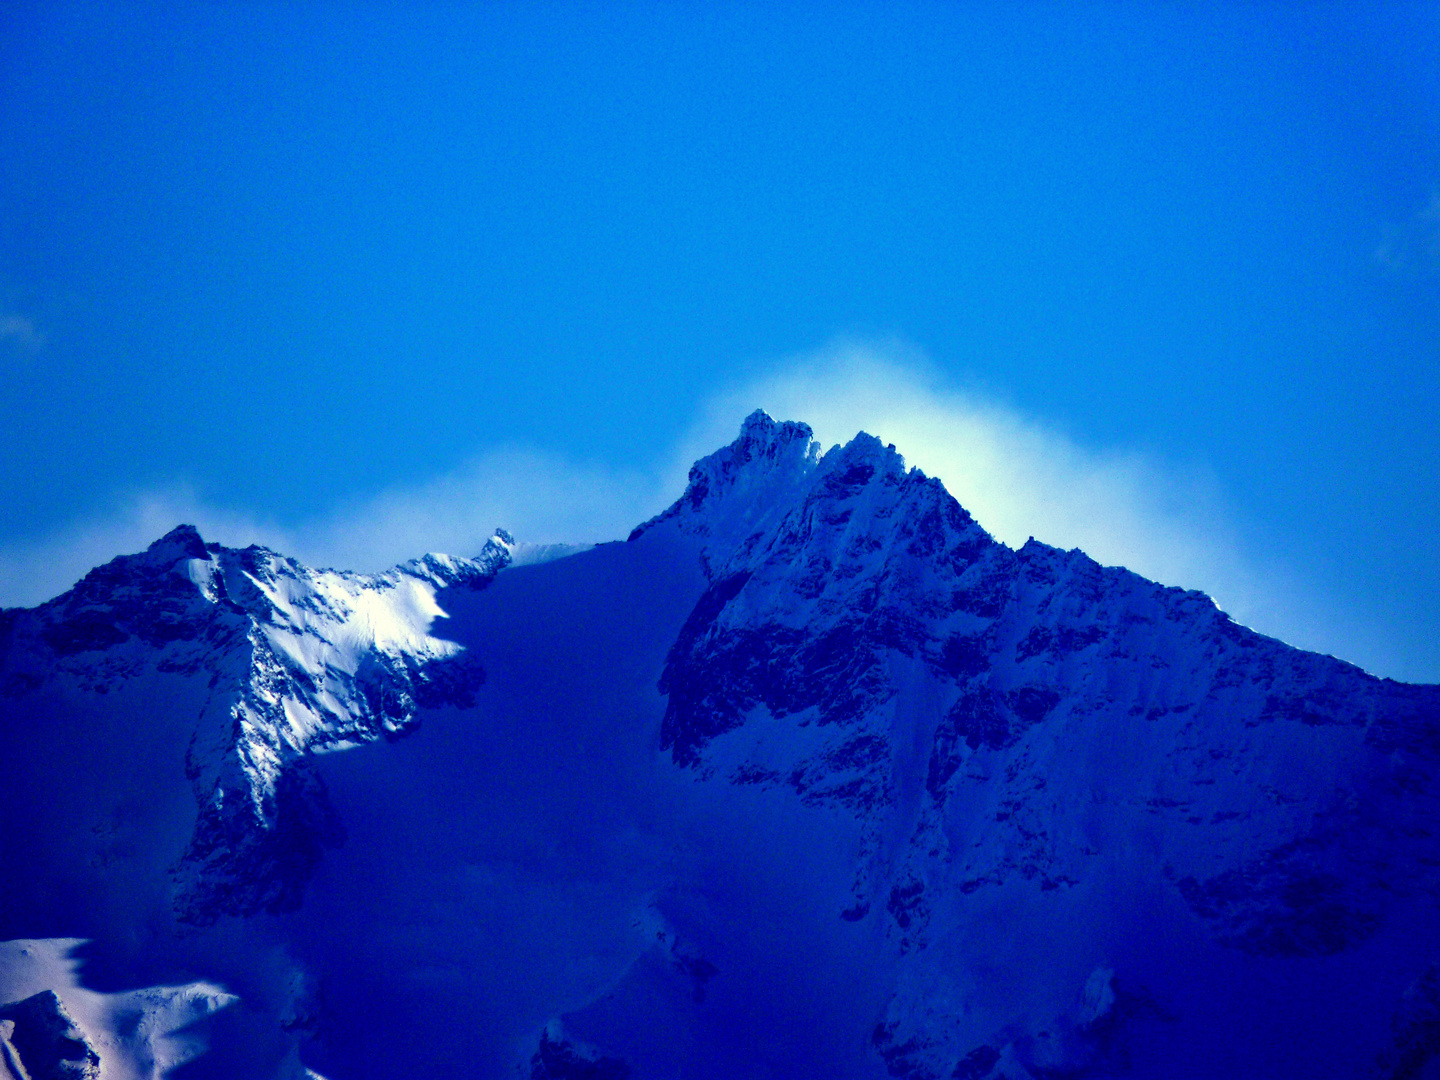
39,1040
1068,708
1049,765
297,661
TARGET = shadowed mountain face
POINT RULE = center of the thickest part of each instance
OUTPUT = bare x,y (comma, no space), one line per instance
810,777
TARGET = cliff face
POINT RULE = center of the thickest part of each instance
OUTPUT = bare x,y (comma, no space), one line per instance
811,775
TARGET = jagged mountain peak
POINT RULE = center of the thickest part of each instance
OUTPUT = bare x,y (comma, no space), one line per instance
297,659
729,490
149,567
982,790
866,450
774,479
499,552
765,450
181,542
762,435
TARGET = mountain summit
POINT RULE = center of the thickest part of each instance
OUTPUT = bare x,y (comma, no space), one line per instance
811,777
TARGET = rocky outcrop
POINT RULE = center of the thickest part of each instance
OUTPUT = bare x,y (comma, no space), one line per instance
40,1041
559,1058
297,660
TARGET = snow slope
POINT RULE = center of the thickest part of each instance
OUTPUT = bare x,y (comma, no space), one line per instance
810,777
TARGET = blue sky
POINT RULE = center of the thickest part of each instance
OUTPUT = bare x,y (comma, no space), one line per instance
352,277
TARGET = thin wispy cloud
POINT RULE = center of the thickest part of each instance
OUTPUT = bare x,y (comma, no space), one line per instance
34,571
1021,477
19,332
1414,244
1018,476
541,498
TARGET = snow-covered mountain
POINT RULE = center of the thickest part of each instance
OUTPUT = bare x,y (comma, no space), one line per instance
809,777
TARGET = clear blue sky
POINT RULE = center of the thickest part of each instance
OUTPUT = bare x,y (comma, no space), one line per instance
296,255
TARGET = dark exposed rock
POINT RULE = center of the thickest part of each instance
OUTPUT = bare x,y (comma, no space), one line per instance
49,1043
85,631
906,903
872,603
1416,1025
561,1059
976,1065
236,866
903,1058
